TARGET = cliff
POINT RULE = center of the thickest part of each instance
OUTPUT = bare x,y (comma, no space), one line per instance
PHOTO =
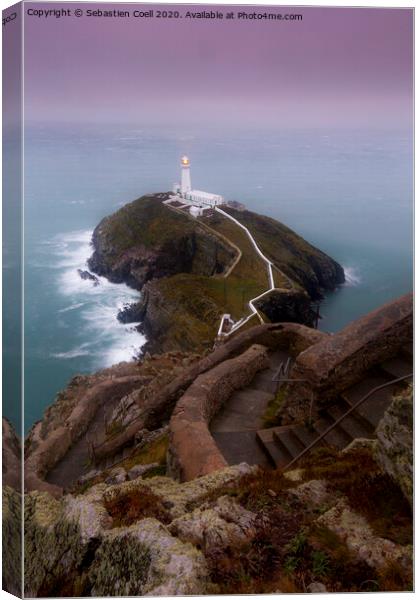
191,271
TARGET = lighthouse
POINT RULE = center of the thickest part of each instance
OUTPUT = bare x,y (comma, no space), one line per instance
194,198
185,175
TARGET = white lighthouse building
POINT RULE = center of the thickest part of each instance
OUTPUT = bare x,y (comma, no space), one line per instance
185,175
197,198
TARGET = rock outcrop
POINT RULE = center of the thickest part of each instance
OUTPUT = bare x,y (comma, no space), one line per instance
12,540
394,449
88,555
11,456
145,240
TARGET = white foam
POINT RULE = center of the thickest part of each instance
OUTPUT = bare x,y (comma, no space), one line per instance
352,276
78,351
71,307
98,305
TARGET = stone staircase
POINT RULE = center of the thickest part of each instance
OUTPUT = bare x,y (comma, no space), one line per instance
234,427
283,444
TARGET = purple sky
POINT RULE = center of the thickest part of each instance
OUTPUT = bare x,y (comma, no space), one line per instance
338,67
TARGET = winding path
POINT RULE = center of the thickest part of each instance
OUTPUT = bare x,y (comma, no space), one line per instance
270,266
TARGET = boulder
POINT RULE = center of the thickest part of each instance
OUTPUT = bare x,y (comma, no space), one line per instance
355,531
11,540
140,470
116,475
394,449
223,525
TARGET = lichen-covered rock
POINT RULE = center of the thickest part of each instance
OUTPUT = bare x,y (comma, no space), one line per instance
72,548
355,531
226,524
54,548
11,454
140,470
178,497
361,444
11,539
316,587
314,494
394,450
117,475
145,559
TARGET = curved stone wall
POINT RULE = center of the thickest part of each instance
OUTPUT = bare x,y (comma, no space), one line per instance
340,360
192,449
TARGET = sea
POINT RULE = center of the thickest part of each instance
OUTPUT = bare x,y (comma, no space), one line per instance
347,192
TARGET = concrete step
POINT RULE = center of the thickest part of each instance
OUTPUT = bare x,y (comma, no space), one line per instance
264,381
397,367
355,426
338,437
242,412
306,435
241,446
275,451
373,409
290,441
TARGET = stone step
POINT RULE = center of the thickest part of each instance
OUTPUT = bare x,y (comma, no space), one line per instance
241,446
397,367
276,452
290,441
356,427
306,435
242,412
264,381
373,409
338,437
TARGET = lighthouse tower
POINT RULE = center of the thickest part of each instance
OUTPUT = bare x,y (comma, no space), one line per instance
185,175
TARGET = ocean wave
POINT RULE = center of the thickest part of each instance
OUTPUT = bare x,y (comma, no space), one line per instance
71,307
71,353
110,341
352,276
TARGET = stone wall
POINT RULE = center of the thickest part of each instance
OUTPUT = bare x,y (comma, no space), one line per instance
50,451
158,408
192,449
340,360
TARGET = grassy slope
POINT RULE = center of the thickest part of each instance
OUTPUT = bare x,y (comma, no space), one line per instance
145,221
196,302
290,252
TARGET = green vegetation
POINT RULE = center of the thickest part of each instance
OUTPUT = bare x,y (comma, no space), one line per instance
270,417
128,507
291,253
370,492
144,221
154,452
292,549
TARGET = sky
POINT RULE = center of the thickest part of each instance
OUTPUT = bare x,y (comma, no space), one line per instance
337,67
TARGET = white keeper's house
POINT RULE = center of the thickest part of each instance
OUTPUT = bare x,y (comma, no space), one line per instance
198,199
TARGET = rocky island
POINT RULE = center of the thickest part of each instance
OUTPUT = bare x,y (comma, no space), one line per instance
268,457
192,270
